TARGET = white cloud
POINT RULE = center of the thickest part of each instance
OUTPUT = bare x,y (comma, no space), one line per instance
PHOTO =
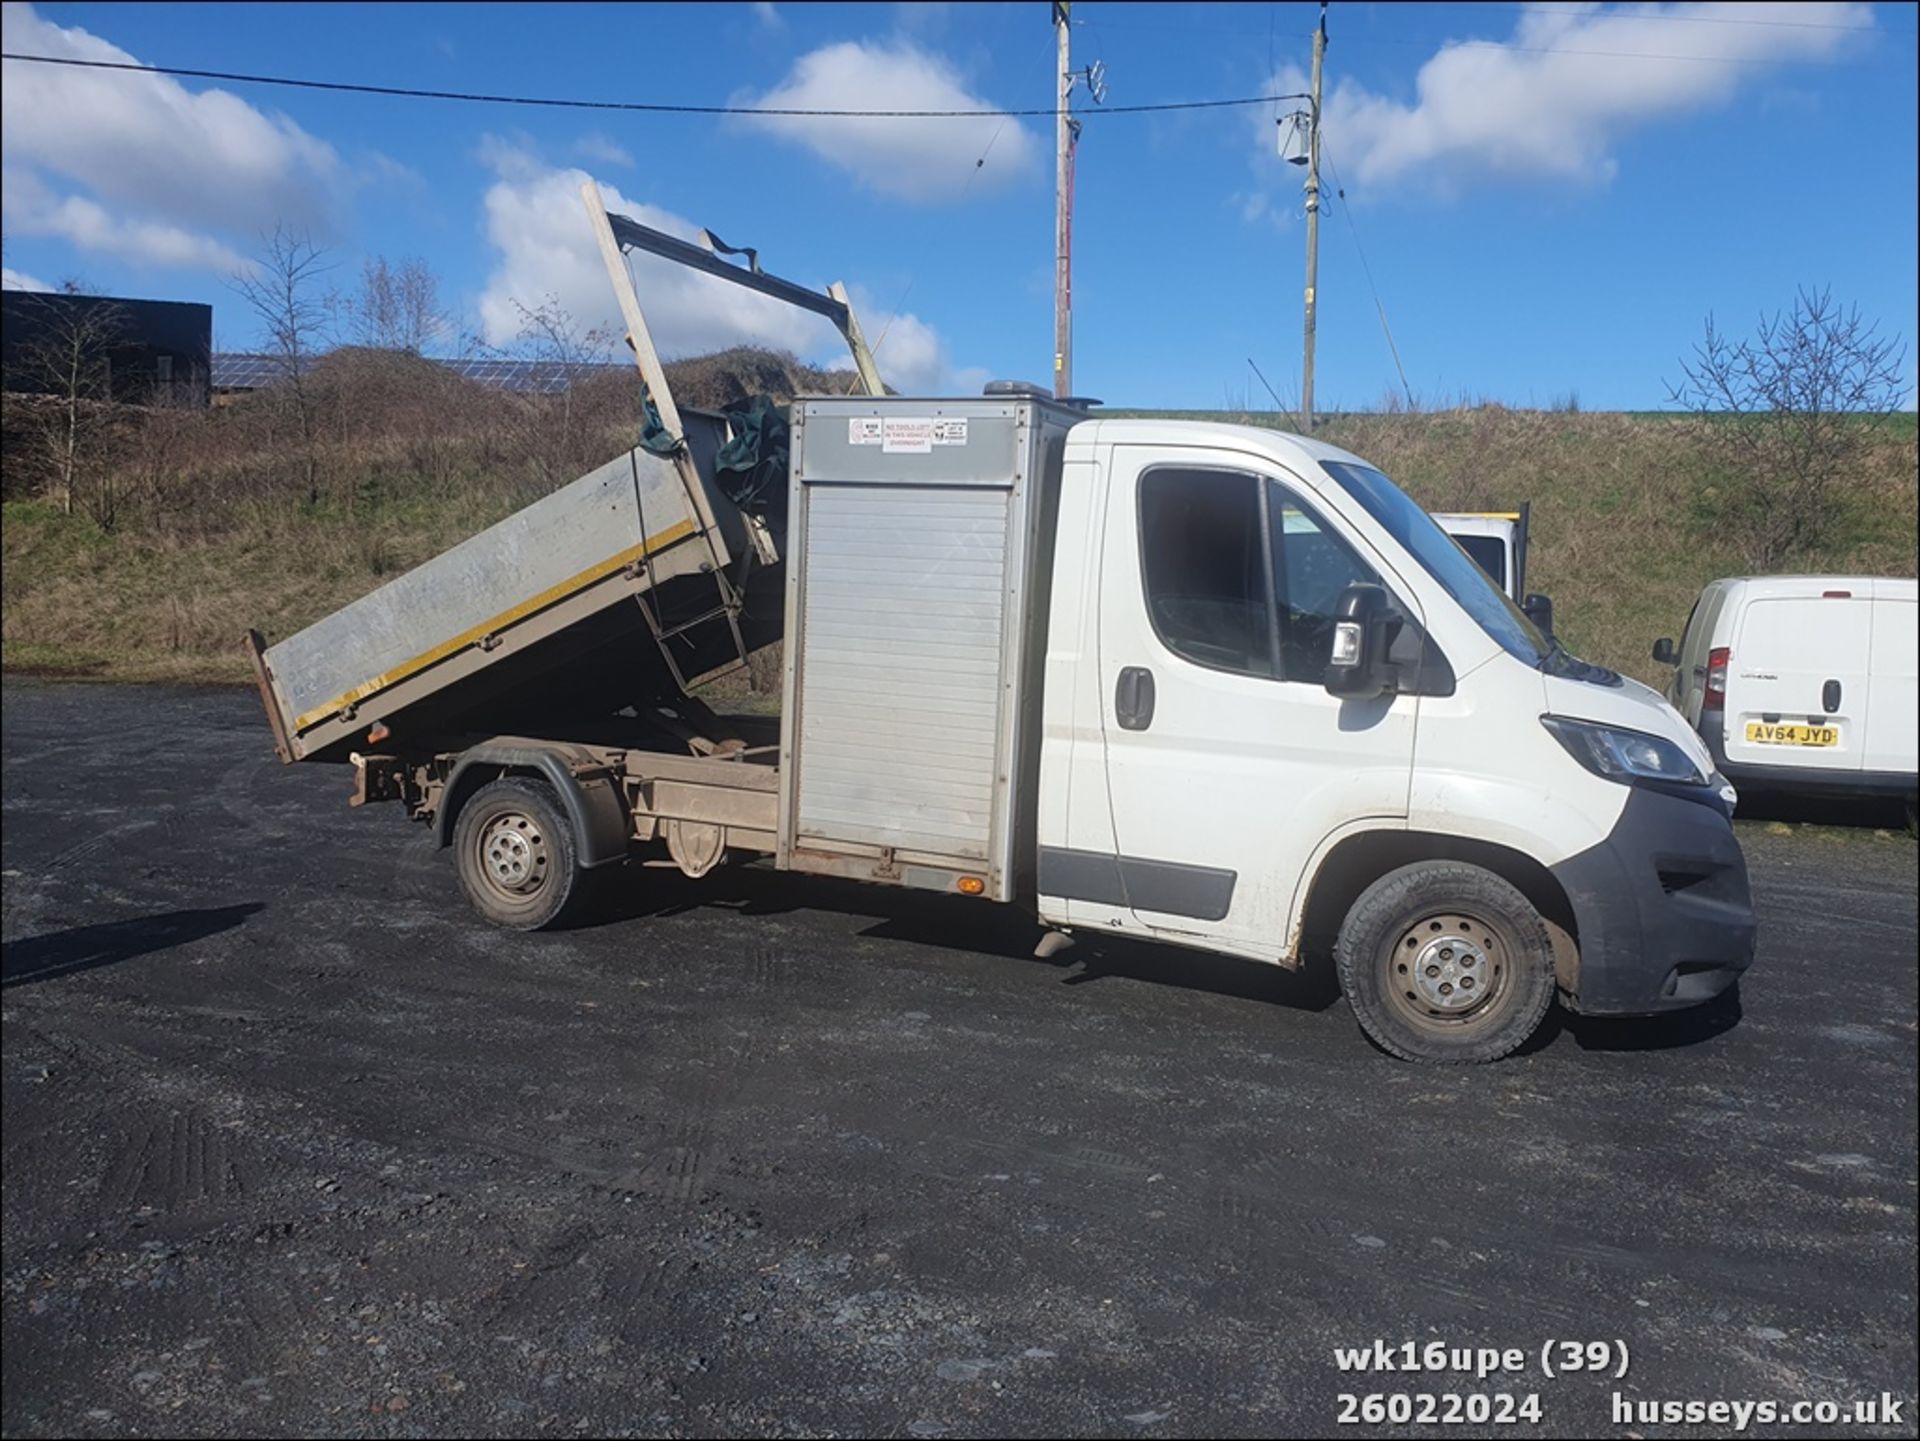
768,15
911,355
537,223
535,219
86,224
913,159
161,162
603,148
922,17
1551,102
12,279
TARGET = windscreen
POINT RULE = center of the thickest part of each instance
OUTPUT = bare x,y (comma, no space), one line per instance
1445,561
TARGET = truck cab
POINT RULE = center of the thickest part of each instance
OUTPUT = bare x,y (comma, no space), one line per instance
1281,707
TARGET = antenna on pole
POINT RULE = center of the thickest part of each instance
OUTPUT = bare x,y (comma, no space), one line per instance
1312,162
1066,142
1063,139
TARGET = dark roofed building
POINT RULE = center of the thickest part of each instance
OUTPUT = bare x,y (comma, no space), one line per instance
154,349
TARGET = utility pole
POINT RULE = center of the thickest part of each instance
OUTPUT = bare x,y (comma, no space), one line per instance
1313,218
1063,128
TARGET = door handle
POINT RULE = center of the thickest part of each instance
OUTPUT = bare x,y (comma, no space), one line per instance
1133,698
1830,697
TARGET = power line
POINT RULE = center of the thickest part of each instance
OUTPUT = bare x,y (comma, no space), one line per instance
649,107
912,280
1340,189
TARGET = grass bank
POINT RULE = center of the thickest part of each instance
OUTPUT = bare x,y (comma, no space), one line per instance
222,521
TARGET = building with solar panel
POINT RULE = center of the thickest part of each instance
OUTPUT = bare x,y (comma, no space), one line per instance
151,350
236,374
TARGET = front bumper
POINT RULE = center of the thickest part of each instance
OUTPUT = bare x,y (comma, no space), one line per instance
1663,909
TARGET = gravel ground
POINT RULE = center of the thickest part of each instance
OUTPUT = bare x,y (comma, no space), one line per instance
292,1144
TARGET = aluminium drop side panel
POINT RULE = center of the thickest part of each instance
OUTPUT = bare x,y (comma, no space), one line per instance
422,624
910,540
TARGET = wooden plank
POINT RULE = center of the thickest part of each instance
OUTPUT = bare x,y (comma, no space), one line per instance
648,359
857,343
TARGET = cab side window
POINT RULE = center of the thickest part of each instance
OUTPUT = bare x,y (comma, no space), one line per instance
1312,565
1204,564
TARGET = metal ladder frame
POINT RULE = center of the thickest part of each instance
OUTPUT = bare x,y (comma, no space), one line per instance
617,234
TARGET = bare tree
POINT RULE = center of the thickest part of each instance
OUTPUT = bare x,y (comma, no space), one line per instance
284,291
556,349
398,308
1786,417
66,367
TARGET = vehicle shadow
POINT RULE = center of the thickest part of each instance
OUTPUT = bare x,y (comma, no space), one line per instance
1864,812
84,948
1671,1031
956,923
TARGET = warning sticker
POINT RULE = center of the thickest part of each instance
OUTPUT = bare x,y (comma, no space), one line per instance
949,432
863,430
907,435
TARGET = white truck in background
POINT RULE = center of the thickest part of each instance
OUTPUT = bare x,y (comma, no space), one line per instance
1497,540
1214,686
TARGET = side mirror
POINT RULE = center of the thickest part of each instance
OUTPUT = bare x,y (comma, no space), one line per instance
1364,623
1539,610
1663,652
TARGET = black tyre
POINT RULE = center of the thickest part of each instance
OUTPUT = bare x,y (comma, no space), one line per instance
517,855
1445,962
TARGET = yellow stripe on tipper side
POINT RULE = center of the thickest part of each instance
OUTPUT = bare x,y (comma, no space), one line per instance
488,627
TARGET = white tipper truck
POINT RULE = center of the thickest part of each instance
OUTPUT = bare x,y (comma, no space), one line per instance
1209,685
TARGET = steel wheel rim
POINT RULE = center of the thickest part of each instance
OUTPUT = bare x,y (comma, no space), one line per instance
1448,969
514,858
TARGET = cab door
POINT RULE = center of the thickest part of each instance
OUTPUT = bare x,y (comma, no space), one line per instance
1227,761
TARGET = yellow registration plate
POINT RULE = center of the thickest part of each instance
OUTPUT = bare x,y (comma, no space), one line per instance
1762,733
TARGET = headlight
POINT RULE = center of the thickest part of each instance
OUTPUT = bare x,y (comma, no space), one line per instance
1623,755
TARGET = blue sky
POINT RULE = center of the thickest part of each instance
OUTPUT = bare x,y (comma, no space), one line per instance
1550,197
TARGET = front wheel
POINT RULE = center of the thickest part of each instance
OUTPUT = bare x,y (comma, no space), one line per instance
1446,962
517,856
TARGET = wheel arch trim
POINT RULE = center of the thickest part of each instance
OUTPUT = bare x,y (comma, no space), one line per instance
1352,858
590,797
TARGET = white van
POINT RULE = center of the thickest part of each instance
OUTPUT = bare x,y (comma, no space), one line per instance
1804,682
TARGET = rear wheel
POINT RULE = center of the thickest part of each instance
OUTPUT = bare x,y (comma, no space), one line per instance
517,856
1446,962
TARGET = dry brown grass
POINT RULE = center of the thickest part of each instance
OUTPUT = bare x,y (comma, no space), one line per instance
218,533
